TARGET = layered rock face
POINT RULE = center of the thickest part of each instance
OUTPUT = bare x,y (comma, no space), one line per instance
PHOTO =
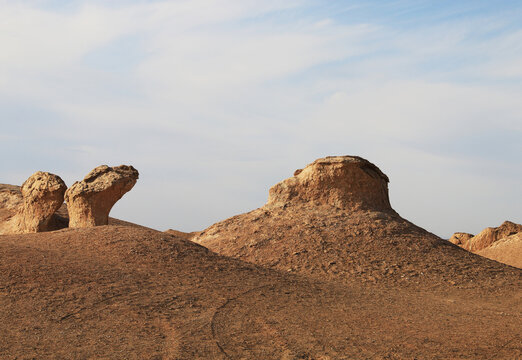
89,201
346,182
333,219
42,195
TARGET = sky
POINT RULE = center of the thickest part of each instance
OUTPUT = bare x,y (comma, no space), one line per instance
215,101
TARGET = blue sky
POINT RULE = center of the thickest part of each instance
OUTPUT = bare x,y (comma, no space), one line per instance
216,101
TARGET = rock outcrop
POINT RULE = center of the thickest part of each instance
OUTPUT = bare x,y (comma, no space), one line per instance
10,196
333,219
503,243
461,239
42,195
345,182
89,201
491,234
507,250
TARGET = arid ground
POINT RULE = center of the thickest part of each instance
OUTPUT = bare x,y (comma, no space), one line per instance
298,278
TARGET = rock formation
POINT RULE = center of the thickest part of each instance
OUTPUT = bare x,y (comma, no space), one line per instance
333,219
503,243
461,239
42,195
89,201
10,196
507,250
490,235
346,182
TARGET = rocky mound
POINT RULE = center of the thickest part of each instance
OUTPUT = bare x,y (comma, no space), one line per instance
333,219
89,201
118,292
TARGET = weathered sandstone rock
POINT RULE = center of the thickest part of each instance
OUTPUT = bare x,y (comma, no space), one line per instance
42,195
507,250
461,239
490,235
10,196
89,201
346,182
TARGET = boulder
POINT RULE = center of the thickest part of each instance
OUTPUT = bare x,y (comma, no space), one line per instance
42,195
345,182
89,201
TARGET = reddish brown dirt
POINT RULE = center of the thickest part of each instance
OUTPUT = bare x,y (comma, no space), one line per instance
360,246
116,292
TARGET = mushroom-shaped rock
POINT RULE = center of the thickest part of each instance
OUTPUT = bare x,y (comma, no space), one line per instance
89,201
346,182
461,239
42,195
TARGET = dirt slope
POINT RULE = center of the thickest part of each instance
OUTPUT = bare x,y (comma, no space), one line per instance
117,292
333,220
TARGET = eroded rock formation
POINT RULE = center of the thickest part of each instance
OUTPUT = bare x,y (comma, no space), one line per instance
42,195
10,196
346,182
89,201
507,250
503,243
491,234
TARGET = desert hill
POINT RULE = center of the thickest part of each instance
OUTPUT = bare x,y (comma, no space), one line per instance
333,219
118,292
